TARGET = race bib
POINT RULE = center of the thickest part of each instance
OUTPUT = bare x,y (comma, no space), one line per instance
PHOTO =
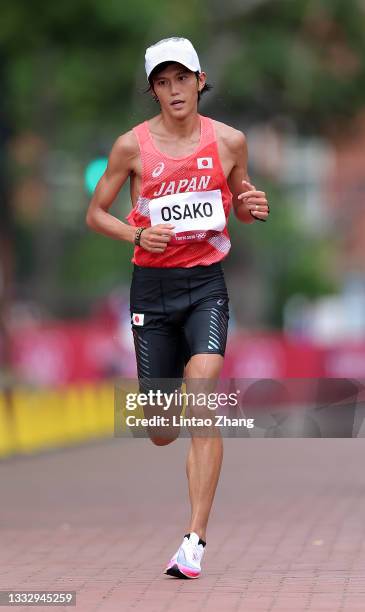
196,215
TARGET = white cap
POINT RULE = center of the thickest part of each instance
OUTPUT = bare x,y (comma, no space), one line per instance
172,50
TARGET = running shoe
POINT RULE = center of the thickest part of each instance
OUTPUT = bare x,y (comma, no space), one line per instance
186,561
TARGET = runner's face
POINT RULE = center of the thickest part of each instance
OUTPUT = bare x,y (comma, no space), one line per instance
177,89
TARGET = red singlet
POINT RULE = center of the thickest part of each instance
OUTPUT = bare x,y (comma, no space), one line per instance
189,192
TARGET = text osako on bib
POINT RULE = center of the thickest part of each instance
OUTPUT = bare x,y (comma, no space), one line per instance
195,215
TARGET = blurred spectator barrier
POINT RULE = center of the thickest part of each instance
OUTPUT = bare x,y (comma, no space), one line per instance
32,420
60,354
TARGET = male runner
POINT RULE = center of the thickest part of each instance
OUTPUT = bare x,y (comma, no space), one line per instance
186,171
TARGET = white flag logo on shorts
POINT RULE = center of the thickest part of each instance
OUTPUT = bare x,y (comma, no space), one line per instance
204,162
138,319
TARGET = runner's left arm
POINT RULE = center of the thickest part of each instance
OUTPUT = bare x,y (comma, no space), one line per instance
248,203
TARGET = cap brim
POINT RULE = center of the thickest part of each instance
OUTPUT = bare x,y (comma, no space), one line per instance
175,61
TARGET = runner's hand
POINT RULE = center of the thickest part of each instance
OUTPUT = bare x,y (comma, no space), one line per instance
255,201
155,239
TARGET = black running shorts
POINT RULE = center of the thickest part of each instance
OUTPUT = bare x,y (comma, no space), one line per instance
177,313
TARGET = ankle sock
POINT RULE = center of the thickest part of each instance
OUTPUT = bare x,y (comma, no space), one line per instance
187,535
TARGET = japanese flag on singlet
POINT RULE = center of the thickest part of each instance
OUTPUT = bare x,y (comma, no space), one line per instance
196,215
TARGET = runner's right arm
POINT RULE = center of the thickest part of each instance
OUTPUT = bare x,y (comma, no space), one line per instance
121,163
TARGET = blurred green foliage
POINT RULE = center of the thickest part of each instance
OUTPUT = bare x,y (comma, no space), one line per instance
74,75
281,252
83,58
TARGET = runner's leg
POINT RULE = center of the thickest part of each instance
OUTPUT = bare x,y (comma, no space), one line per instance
205,453
206,335
160,348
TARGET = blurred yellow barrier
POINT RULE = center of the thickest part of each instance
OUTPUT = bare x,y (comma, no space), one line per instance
33,420
6,430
